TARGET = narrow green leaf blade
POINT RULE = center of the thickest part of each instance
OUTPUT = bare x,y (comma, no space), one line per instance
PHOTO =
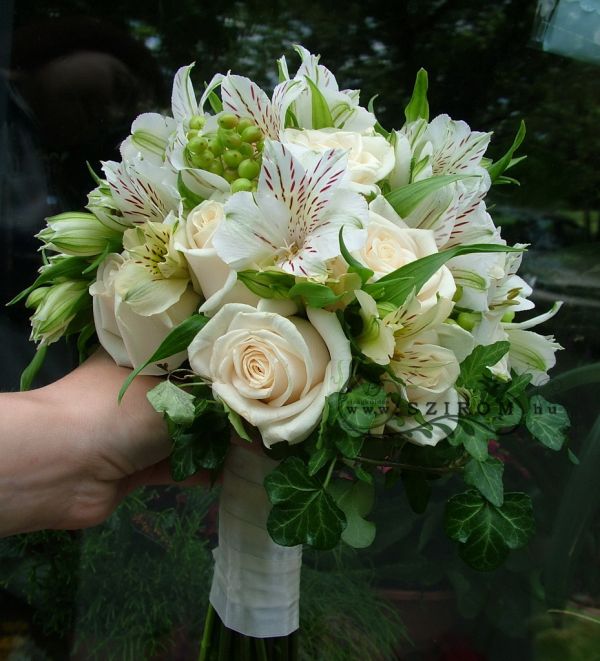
418,106
406,198
321,115
177,340
486,477
497,168
31,371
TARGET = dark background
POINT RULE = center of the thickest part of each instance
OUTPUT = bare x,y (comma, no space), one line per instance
75,73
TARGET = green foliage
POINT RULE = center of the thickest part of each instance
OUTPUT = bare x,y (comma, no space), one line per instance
176,341
31,371
507,161
474,367
174,402
356,501
354,266
485,532
267,284
397,286
418,106
406,198
486,477
315,295
303,512
547,422
321,115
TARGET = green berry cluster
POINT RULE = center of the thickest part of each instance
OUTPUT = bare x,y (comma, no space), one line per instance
234,152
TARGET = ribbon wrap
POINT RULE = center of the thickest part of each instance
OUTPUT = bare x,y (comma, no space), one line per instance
256,583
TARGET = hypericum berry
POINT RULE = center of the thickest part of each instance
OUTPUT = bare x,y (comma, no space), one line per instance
216,167
507,317
215,145
244,124
468,320
197,122
251,134
197,144
203,159
246,150
228,120
248,169
241,184
230,139
232,158
230,175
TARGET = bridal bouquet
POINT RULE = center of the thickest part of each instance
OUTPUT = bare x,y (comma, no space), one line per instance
312,283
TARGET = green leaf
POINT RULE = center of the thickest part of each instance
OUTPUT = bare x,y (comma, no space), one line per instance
188,196
314,294
547,422
174,402
359,409
267,284
87,333
486,477
30,372
418,106
215,103
66,268
202,446
320,459
518,384
378,128
475,366
236,422
502,164
356,501
349,445
321,115
354,266
397,286
406,198
473,434
177,340
303,512
485,532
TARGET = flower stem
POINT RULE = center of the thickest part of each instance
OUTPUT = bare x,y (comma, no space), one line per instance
411,467
329,473
261,650
207,634
224,643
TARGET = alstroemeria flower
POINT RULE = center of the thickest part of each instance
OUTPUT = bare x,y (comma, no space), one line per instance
343,105
377,340
141,191
154,275
293,221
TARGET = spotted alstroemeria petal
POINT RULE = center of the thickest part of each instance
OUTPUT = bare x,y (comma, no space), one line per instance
183,98
139,193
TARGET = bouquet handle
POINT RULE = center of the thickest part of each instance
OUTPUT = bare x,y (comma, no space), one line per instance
256,583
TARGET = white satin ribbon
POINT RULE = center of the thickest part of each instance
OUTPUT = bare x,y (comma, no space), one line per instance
256,583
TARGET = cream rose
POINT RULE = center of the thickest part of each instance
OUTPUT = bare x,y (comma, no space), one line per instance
131,338
211,277
370,157
274,371
390,246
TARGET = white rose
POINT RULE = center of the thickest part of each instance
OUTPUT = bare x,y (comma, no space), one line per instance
274,371
390,246
211,277
370,157
131,338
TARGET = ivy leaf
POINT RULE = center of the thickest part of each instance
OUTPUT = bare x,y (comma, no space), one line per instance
475,366
473,434
267,284
359,409
349,445
204,445
418,106
355,499
174,402
176,341
314,294
303,512
486,533
486,477
547,422
319,459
